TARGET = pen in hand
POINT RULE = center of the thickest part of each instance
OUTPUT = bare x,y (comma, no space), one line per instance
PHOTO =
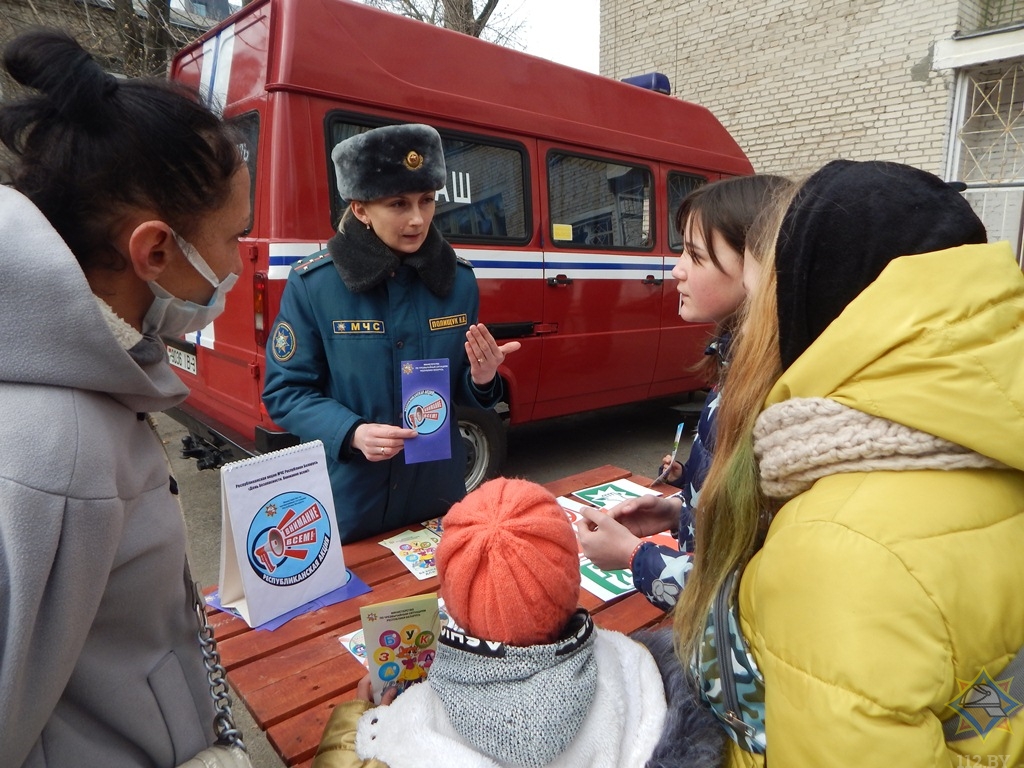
672,458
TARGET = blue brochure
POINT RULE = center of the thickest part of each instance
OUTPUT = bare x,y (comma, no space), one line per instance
427,408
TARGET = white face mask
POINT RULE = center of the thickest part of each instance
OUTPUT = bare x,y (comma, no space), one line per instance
170,316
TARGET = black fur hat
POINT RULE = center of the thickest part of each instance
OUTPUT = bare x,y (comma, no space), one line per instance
391,160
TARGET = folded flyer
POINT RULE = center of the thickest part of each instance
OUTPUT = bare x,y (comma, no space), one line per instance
416,551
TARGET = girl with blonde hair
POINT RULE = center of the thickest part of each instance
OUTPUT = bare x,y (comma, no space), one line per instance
859,534
713,275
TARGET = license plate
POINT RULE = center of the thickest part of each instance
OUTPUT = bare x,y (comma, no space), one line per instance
179,358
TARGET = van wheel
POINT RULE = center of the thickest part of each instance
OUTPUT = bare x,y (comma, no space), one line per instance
483,434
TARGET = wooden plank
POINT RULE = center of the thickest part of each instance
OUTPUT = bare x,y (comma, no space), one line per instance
589,601
292,678
367,550
298,678
225,625
297,738
628,615
273,684
248,647
270,670
385,569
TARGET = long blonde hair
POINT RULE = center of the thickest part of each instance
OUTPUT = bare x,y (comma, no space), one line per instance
732,510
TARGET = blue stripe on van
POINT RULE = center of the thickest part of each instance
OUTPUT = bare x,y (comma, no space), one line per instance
654,266
495,264
285,261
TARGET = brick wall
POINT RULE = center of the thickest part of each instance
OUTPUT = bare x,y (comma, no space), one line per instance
799,82
973,15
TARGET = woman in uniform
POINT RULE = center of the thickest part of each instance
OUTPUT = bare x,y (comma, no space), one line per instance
388,293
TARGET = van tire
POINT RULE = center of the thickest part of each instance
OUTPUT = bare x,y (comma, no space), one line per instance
483,435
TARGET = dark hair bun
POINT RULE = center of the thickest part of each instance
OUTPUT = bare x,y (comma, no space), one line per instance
87,147
72,83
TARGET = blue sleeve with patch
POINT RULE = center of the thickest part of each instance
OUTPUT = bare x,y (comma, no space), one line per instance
660,573
295,387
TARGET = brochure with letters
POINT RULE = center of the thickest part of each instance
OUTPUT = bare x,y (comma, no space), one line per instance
400,641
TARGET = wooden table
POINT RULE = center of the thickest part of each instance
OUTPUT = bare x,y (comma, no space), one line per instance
290,679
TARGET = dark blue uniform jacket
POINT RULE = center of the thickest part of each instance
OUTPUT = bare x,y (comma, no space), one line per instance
349,318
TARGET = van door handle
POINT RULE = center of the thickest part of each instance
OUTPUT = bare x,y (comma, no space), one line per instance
652,280
560,280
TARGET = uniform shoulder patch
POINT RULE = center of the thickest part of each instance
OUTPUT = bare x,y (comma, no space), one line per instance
283,342
311,262
464,262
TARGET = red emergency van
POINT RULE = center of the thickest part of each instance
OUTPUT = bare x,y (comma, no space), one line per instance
561,191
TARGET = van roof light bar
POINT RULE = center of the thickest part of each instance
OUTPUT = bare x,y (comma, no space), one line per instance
652,81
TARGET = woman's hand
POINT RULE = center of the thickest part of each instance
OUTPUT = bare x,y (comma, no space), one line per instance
380,442
485,355
648,515
606,541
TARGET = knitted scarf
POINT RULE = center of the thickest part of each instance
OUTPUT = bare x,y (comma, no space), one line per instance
801,440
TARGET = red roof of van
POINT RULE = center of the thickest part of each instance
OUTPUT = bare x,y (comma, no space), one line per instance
383,60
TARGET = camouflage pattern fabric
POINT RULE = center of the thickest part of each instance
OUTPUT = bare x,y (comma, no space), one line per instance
744,718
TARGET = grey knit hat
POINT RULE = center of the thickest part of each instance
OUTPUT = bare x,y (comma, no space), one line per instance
391,160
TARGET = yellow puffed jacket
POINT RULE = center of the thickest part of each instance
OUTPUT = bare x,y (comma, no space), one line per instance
878,595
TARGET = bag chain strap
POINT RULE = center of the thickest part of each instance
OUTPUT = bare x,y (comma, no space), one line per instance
223,721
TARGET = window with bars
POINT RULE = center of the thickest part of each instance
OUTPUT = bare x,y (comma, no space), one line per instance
988,148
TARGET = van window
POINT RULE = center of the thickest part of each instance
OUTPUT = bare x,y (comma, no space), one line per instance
485,197
248,127
679,186
597,203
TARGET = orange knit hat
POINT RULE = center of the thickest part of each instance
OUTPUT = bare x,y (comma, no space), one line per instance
508,564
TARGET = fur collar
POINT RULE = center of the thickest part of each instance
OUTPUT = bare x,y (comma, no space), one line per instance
692,735
144,350
126,336
363,261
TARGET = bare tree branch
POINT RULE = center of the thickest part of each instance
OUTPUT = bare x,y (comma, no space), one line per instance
459,15
485,15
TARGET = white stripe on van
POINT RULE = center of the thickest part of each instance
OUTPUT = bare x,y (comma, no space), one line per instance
218,53
203,338
504,265
489,264
284,255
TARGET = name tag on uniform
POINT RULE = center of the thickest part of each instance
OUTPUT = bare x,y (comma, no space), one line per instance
358,326
452,321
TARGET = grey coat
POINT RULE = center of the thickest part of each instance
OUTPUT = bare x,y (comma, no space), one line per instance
99,664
